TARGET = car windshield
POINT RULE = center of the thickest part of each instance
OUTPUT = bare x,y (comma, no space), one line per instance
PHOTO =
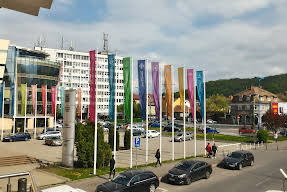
55,138
179,135
121,179
235,155
182,166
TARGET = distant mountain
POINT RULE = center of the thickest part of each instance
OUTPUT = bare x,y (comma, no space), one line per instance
276,84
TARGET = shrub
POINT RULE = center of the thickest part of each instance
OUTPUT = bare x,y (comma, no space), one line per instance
111,138
85,146
127,139
262,135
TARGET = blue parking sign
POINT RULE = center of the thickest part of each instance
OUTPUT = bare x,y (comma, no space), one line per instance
137,141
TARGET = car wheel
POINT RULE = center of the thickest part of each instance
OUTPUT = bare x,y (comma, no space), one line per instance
26,139
43,138
188,181
11,140
152,188
207,174
252,163
239,166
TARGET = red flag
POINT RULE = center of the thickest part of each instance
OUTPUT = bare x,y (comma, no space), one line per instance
44,90
53,95
92,85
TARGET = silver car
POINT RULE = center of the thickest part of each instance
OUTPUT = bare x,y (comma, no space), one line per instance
179,136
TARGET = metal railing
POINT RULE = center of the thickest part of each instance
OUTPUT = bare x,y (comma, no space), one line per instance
33,187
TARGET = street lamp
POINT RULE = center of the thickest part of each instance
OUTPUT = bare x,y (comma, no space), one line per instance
259,118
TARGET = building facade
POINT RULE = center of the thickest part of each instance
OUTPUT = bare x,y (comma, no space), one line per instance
245,107
76,71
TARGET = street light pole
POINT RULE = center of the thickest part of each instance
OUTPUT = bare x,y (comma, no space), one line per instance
259,118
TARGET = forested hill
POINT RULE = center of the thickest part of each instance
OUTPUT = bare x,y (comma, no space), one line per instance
276,84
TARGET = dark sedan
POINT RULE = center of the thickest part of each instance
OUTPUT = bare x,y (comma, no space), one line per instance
238,159
18,137
168,128
130,181
189,170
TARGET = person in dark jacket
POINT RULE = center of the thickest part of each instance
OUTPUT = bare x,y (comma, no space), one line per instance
112,167
157,156
214,150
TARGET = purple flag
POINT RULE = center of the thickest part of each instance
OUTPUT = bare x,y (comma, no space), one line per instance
155,87
190,88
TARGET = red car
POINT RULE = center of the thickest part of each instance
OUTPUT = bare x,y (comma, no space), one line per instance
246,130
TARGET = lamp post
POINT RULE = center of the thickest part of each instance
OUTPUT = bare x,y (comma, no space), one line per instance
259,118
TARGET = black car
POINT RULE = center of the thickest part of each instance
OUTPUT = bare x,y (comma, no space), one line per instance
176,125
18,137
238,159
137,132
168,128
187,171
130,181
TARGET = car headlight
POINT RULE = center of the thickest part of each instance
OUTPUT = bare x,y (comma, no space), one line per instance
182,176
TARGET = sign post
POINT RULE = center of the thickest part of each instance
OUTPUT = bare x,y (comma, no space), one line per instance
276,138
137,145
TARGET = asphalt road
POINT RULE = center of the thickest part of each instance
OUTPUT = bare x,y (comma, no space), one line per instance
263,176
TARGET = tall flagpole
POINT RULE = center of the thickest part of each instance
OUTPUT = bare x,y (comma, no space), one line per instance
35,124
160,112
184,147
194,111
132,84
115,103
46,110
25,124
3,110
96,118
55,107
146,159
204,118
172,113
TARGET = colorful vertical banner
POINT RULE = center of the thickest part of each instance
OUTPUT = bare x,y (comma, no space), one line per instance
112,73
142,87
62,100
190,88
180,83
92,85
53,99
200,90
34,92
79,102
1,96
275,108
44,92
155,87
127,88
12,99
167,80
23,98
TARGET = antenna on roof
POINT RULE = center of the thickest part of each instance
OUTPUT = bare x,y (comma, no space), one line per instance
106,42
71,48
62,42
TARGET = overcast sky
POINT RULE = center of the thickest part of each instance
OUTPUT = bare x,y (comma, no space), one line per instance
227,38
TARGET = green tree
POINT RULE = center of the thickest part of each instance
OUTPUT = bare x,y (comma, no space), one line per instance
217,104
111,138
262,135
136,110
120,108
127,139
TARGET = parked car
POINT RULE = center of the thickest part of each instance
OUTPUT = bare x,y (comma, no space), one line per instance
209,130
51,129
179,137
130,181
106,129
168,128
155,124
49,134
283,132
53,141
17,137
210,121
246,130
176,125
152,133
238,159
58,125
189,170
137,132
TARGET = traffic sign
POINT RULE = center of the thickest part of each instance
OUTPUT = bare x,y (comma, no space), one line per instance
137,142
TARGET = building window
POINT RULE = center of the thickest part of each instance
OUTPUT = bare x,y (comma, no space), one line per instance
247,98
239,107
247,107
240,98
268,98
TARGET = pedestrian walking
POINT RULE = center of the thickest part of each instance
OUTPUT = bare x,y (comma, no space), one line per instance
112,167
208,150
157,156
214,150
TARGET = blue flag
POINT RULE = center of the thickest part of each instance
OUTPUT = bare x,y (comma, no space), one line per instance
1,96
111,68
12,98
142,87
200,90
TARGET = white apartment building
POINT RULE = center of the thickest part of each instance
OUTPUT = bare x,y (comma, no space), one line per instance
76,71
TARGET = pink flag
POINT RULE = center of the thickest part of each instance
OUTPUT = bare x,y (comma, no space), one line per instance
44,89
53,94
92,85
190,88
34,92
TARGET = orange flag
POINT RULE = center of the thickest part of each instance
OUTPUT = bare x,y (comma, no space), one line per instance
79,102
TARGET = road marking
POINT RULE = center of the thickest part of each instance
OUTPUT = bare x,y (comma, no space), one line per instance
261,182
163,190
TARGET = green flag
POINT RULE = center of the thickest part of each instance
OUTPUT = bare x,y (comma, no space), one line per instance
127,88
23,98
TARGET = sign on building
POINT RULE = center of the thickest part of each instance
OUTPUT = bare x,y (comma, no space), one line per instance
279,108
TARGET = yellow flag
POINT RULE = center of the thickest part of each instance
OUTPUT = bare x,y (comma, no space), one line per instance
180,82
167,77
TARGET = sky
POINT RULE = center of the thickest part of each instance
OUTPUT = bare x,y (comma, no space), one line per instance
227,39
